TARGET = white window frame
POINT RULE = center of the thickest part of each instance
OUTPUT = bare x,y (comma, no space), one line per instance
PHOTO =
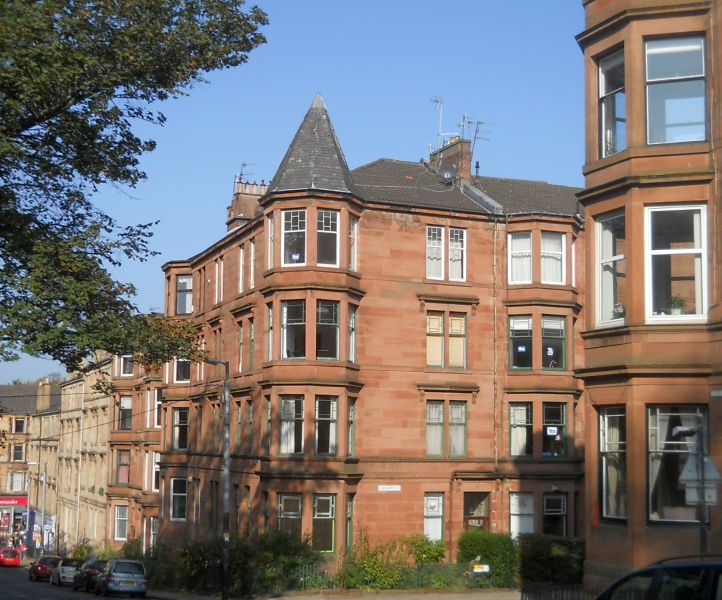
173,494
353,228
601,263
185,293
155,473
521,507
121,520
252,264
321,229
613,455
453,248
649,253
285,329
526,255
176,426
241,268
607,135
218,289
329,422
352,317
285,231
561,254
435,244
158,409
434,516
175,370
271,240
16,481
126,365
289,418
269,340
13,454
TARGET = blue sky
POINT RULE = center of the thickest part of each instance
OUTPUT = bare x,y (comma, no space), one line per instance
512,64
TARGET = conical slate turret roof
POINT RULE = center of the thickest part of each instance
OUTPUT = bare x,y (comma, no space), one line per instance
314,160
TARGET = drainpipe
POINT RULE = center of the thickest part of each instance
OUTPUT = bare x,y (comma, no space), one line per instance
80,464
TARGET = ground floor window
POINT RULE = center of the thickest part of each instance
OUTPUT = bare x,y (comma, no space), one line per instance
121,522
667,455
349,520
178,498
324,522
613,462
289,514
434,516
521,513
476,510
555,515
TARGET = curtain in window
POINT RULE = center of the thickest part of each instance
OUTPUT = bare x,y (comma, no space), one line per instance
457,428
519,418
615,489
456,254
457,340
435,339
520,268
551,257
434,428
288,425
434,250
521,509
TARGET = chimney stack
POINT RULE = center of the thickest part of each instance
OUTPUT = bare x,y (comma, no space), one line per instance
244,205
457,154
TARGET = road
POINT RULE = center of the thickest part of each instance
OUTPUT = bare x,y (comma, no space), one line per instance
14,585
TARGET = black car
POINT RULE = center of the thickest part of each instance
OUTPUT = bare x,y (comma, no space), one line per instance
682,578
86,576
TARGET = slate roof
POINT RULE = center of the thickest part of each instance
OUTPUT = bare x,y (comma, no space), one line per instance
18,399
524,196
415,185
314,160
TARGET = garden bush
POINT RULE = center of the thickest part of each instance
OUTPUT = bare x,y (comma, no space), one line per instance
377,567
493,549
550,559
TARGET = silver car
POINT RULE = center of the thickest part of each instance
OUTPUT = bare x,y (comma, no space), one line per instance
122,576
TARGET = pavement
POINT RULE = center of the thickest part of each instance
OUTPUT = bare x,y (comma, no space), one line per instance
491,594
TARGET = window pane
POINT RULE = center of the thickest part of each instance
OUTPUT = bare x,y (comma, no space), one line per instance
434,252
327,330
184,295
457,254
327,237
291,424
553,342
326,425
520,257
675,58
433,516
612,295
457,428
434,428
435,339
457,340
552,257
554,429
668,454
520,342
294,237
612,449
294,329
521,425
324,520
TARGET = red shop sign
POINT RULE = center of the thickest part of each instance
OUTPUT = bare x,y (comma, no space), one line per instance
13,500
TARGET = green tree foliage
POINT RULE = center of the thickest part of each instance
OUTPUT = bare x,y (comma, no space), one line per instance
76,76
551,559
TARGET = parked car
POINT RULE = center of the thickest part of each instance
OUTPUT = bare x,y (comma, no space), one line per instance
64,571
40,569
9,557
122,576
87,574
681,578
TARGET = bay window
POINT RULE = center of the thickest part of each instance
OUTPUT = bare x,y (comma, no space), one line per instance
612,105
327,238
611,268
183,295
553,342
125,412
667,455
676,90
521,425
520,342
180,429
327,330
613,461
520,257
178,498
291,414
121,522
676,262
553,256
294,237
293,325
326,428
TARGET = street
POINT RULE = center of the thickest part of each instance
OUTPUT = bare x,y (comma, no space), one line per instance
14,585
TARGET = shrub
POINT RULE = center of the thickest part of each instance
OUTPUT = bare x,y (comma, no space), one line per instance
82,551
132,549
378,567
546,558
493,549
424,551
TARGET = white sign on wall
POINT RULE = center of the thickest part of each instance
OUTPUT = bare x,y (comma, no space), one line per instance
389,488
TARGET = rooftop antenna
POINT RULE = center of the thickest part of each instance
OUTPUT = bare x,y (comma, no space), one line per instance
477,130
439,105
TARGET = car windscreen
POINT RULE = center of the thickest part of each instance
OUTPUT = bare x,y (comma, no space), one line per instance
129,568
9,553
71,562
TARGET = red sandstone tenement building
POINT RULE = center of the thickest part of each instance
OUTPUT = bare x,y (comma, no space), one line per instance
652,292
402,341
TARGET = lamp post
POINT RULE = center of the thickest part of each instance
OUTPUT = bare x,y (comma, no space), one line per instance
226,401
